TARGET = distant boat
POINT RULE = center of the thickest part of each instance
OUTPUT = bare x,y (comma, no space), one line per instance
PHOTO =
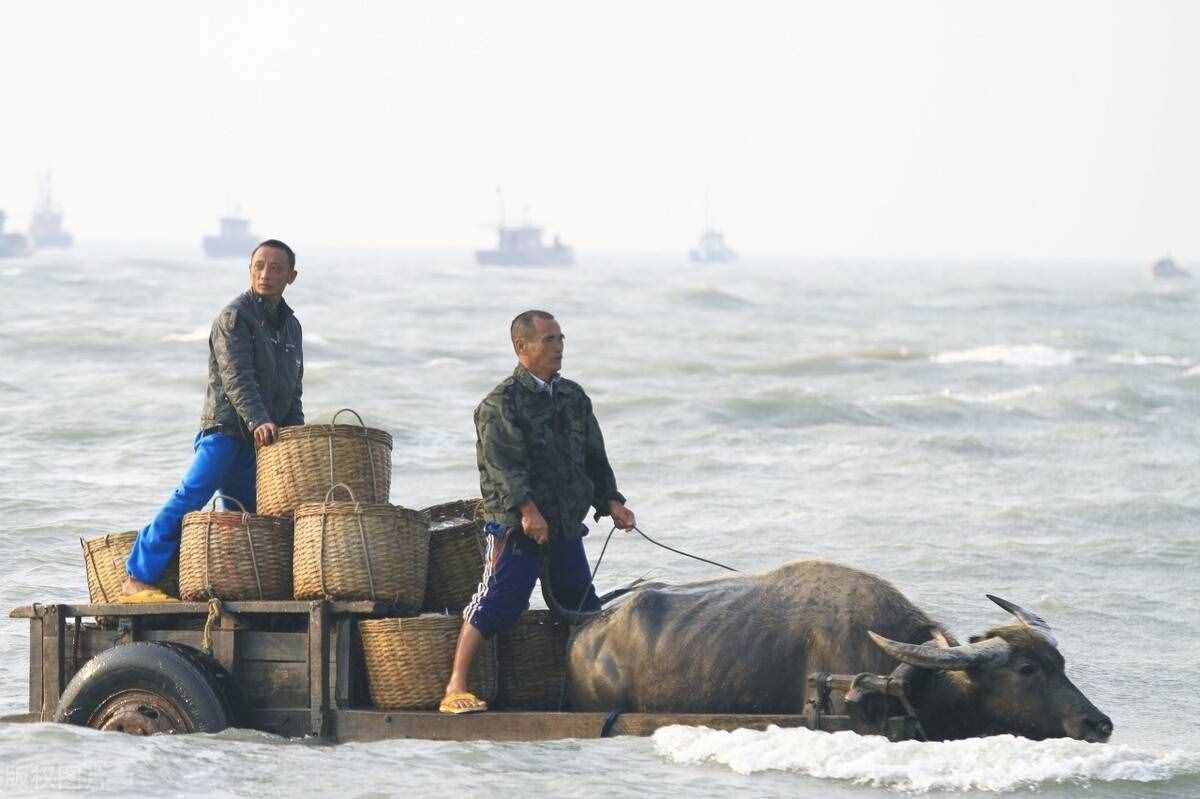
12,245
521,245
46,228
234,241
711,249
1167,269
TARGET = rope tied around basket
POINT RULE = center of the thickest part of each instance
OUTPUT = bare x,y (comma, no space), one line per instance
208,549
370,453
362,537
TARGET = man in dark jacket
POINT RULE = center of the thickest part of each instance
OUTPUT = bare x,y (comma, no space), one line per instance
542,464
255,370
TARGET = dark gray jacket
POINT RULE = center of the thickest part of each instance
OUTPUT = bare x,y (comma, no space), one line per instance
541,445
255,368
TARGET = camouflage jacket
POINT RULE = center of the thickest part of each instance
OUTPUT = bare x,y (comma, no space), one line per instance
534,443
255,368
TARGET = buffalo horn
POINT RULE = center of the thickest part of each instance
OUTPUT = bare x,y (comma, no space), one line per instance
990,652
1030,620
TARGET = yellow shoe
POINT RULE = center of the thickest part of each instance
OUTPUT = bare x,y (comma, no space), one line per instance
462,702
148,596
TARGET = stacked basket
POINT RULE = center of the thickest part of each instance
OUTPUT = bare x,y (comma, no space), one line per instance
352,550
532,659
235,555
307,460
455,554
104,560
409,661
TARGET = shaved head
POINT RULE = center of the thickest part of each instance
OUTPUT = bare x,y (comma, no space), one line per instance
522,327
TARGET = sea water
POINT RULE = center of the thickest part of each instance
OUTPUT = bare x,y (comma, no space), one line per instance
1026,429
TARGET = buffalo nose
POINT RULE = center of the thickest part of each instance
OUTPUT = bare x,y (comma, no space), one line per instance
1098,727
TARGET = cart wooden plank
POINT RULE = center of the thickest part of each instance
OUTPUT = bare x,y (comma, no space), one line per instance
365,607
513,725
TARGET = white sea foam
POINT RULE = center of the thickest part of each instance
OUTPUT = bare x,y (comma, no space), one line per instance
998,764
1138,359
1018,355
1000,397
198,334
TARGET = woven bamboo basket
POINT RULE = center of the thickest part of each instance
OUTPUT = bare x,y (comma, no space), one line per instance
455,554
306,460
232,556
352,550
532,661
104,563
409,661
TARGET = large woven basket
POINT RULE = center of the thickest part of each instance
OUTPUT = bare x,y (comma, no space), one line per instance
532,660
355,550
104,562
409,661
228,555
306,460
455,554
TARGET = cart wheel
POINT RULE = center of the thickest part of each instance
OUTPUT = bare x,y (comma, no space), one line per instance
143,688
227,688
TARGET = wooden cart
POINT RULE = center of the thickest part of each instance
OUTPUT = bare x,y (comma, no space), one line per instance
296,669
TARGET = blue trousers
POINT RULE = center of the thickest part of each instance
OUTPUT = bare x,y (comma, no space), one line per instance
221,463
510,570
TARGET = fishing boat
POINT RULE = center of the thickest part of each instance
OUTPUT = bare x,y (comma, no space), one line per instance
521,245
46,228
711,248
234,239
296,669
1167,269
12,245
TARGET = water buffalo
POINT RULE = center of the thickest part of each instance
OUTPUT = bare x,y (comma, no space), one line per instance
746,644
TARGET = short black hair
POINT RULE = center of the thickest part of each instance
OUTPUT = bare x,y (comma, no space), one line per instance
278,245
522,326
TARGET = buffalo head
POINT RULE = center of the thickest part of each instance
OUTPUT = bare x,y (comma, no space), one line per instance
1009,680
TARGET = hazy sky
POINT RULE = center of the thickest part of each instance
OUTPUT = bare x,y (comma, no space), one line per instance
1063,129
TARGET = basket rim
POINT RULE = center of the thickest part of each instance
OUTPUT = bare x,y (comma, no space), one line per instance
382,508
235,518
302,431
104,539
399,622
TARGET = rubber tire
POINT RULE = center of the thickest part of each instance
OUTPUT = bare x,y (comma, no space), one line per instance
150,666
227,688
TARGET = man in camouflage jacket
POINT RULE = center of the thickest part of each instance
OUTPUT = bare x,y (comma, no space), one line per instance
542,464
255,372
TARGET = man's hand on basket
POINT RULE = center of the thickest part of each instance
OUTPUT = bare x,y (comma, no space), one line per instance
533,523
265,434
622,516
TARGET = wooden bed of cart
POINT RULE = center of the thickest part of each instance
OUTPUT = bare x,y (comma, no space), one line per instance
296,669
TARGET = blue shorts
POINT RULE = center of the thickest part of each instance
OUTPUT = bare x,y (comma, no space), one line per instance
510,570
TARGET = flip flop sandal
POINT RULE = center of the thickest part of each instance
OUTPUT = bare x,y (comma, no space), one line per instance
462,702
146,596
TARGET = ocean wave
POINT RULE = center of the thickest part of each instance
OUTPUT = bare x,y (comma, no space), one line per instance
810,410
1138,359
715,299
999,764
198,334
832,363
1038,355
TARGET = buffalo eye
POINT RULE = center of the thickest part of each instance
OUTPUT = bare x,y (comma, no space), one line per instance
1028,669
